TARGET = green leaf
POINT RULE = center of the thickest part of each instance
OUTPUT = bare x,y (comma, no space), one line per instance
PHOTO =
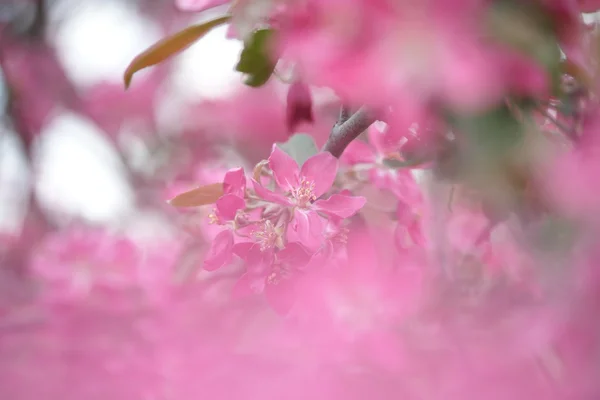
256,60
170,46
555,235
496,131
489,155
300,147
530,29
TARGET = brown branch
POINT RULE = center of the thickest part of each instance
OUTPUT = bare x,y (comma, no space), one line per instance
346,131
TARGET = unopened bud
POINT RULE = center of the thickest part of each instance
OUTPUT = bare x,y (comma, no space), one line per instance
299,105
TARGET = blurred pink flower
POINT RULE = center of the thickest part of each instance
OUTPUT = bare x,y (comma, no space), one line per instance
86,263
404,54
588,6
220,252
571,178
198,5
38,83
273,272
110,107
375,156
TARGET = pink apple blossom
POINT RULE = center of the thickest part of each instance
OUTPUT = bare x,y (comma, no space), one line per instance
228,212
300,189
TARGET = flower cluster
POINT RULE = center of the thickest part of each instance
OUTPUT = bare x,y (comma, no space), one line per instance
279,223
442,244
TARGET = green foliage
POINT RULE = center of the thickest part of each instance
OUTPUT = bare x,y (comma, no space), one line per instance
492,133
256,58
487,156
528,28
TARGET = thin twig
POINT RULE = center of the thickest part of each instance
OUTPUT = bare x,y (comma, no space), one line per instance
342,134
345,113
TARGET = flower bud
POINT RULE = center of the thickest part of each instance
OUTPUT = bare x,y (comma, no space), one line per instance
299,105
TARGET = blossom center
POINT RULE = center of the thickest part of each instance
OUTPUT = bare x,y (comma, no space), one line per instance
279,273
304,194
212,217
269,236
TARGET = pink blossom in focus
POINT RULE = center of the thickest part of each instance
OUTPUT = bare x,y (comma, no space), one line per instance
226,212
301,189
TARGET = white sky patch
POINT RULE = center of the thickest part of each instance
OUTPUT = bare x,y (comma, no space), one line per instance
96,40
79,172
207,68
100,38
591,17
14,182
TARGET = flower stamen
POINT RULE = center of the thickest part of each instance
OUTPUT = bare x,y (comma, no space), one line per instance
212,217
304,194
269,236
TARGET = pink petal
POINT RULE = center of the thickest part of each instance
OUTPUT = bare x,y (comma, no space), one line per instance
242,250
589,6
235,182
320,257
285,169
405,214
232,32
220,252
293,254
198,5
358,152
340,205
281,296
320,169
309,228
228,205
256,261
267,195
402,237
248,284
377,139
361,249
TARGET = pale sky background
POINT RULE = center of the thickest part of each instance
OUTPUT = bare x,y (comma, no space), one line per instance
96,42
